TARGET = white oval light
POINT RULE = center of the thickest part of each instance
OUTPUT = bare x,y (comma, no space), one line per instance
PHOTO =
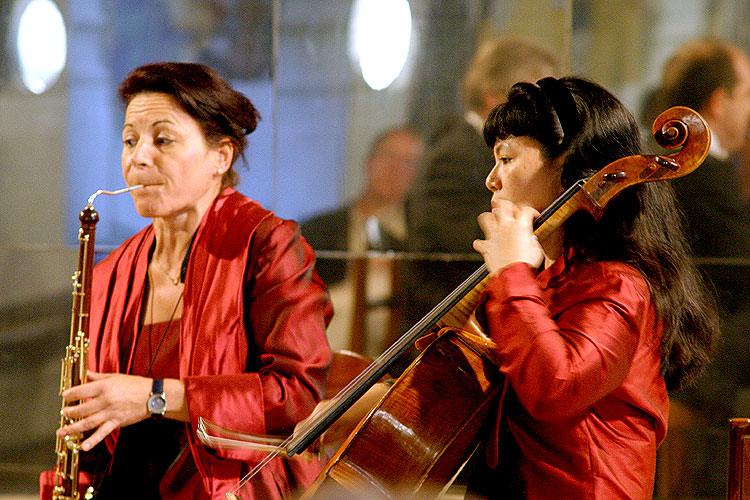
41,44
380,35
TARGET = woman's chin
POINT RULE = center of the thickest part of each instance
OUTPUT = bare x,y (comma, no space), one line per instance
147,210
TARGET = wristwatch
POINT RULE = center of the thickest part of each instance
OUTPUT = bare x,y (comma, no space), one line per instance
157,402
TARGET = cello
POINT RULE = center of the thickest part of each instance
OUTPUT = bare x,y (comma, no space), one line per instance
420,435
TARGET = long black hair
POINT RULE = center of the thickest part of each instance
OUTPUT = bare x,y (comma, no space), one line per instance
585,127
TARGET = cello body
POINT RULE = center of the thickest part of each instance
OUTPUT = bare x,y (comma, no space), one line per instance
424,430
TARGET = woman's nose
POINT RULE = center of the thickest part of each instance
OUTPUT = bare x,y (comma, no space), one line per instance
140,155
493,180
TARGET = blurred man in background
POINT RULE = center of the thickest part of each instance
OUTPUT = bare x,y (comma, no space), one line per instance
375,220
450,187
712,77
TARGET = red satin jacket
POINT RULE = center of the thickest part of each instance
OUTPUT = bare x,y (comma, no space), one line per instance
586,405
261,375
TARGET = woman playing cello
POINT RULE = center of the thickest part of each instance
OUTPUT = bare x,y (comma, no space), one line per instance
594,323
593,319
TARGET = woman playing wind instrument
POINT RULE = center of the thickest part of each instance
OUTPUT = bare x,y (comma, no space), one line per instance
212,311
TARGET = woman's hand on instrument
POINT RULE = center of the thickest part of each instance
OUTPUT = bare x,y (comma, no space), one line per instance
509,236
108,401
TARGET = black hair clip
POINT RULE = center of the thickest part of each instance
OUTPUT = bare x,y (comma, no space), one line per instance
563,104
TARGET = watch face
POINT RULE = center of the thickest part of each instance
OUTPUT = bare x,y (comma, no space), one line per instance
157,404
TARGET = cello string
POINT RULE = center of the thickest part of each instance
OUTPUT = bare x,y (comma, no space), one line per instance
703,139
430,319
389,354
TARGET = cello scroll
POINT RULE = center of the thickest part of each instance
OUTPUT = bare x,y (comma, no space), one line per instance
677,127
681,126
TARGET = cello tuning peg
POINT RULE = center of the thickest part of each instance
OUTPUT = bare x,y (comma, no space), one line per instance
615,176
665,161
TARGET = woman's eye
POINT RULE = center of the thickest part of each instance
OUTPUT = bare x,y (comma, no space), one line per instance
163,140
129,142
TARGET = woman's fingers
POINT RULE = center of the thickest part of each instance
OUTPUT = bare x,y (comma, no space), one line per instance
508,236
107,401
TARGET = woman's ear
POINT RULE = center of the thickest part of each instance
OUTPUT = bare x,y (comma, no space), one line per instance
225,155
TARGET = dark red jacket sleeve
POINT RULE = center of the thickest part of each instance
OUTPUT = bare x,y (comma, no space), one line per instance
286,313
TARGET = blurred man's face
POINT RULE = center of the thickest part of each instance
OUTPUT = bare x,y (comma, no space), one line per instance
392,167
734,121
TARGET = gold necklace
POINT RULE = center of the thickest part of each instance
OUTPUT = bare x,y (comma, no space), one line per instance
174,281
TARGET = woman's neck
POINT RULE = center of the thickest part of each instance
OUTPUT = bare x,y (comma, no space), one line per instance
173,234
171,244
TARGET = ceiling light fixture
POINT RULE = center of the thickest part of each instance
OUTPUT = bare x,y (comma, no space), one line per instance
379,37
38,43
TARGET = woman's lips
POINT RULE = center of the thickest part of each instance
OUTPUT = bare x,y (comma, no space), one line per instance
148,184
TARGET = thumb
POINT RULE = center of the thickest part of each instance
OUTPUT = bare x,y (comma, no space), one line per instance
527,216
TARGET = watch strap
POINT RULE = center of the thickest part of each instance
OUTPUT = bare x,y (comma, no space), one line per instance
157,386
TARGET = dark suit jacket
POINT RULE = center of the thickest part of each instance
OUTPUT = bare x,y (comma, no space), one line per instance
718,224
717,215
449,193
330,231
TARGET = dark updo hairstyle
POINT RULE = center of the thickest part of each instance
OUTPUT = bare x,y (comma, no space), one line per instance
221,111
584,128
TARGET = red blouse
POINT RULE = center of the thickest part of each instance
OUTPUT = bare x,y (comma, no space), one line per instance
586,406
157,350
